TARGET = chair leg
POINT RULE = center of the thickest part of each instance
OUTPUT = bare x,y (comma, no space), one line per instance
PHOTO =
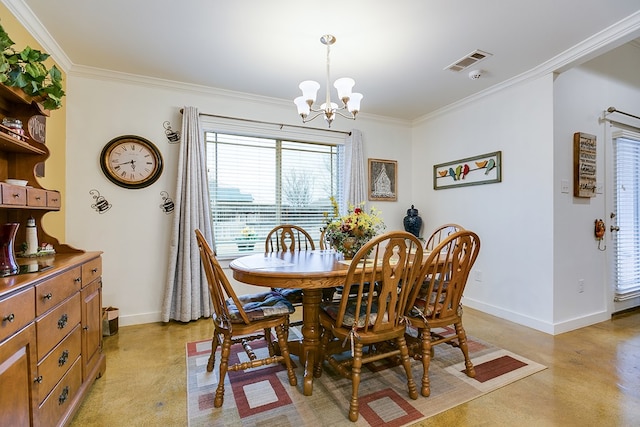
356,368
214,347
284,350
462,342
224,365
325,338
425,335
406,362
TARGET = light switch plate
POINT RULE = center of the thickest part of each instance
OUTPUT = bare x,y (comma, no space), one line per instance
564,186
598,188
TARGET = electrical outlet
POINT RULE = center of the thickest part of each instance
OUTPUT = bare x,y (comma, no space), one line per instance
580,286
478,276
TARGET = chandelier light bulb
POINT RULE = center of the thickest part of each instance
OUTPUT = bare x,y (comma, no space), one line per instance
349,102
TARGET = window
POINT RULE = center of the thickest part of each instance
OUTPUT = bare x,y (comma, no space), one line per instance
627,207
256,183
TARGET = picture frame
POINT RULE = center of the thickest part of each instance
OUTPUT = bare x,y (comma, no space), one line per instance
383,180
584,165
476,170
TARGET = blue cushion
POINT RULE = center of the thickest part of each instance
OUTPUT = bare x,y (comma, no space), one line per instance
260,306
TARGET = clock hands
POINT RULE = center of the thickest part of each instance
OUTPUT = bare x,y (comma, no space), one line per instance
133,164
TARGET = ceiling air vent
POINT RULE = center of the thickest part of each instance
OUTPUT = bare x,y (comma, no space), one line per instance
469,60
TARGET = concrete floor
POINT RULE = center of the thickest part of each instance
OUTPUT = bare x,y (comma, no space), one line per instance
593,377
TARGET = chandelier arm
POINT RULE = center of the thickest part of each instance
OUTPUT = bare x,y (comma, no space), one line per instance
351,116
307,119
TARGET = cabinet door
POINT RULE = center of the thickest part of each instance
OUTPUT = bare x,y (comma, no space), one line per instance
17,366
91,326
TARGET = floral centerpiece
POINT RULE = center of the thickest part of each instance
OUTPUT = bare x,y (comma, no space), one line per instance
247,239
348,233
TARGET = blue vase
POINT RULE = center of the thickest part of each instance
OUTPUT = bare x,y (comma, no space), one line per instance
413,222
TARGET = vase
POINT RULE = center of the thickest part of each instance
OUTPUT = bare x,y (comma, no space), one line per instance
413,222
350,247
8,263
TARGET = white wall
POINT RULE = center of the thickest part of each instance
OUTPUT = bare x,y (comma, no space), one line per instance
581,96
514,218
134,233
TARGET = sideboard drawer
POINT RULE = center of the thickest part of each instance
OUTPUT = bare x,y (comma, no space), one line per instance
56,363
36,197
53,199
13,195
56,324
16,311
91,270
55,290
61,397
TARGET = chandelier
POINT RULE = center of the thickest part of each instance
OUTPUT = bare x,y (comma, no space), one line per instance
350,100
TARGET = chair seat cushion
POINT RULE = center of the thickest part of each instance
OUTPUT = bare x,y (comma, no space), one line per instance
349,318
260,306
421,308
294,296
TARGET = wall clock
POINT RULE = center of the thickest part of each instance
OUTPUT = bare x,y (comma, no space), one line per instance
131,161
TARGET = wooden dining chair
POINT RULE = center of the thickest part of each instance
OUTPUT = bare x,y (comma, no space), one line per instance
240,319
436,304
382,283
292,238
440,234
288,237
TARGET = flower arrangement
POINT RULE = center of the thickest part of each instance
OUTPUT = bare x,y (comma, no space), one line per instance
348,233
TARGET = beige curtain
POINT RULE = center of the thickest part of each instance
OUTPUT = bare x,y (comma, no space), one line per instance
355,183
186,295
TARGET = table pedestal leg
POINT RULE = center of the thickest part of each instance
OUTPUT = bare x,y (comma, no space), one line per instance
310,335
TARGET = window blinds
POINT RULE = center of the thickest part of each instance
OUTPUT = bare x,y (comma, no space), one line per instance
627,207
256,183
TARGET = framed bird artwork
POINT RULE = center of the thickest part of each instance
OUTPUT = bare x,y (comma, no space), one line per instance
482,169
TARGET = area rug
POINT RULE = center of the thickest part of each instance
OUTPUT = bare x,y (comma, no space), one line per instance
263,397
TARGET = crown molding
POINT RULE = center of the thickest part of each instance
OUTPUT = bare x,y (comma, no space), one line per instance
624,31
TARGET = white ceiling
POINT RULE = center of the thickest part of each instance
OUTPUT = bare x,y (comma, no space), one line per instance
397,51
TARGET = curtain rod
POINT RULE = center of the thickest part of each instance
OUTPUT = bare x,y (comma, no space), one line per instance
271,123
613,110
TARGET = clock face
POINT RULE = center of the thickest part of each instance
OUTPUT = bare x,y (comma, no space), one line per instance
131,162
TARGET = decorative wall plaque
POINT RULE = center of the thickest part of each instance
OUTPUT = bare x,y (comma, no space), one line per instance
584,165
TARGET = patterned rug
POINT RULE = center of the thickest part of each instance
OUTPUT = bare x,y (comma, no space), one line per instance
263,397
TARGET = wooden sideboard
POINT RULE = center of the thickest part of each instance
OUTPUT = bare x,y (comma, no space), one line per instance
50,339
50,313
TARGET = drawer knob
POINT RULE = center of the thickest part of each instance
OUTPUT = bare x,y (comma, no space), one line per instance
94,270
77,279
37,197
9,318
38,379
63,358
63,321
47,296
16,195
64,395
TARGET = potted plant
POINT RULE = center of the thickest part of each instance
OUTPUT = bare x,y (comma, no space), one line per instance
25,70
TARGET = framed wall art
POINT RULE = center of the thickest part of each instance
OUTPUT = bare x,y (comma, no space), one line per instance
584,165
383,180
482,169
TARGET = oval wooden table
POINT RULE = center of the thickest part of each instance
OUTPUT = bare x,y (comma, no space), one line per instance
311,271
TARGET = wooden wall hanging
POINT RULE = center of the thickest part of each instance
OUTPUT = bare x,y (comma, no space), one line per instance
584,165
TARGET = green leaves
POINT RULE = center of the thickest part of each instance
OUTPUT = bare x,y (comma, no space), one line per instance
26,70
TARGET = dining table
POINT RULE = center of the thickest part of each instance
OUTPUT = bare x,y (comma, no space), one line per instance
312,271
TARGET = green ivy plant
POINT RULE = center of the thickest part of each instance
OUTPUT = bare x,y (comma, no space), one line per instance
25,70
